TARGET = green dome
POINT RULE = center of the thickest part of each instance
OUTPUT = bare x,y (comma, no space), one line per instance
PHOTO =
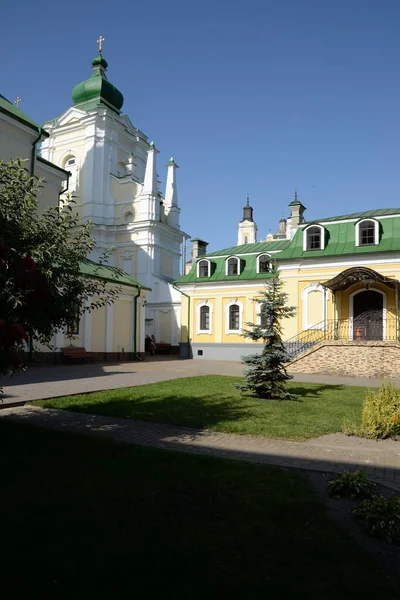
97,88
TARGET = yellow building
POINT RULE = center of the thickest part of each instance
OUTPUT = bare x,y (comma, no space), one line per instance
342,273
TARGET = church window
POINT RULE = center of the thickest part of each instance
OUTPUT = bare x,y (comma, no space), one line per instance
232,266
246,239
205,318
313,238
367,233
263,264
234,317
203,269
70,165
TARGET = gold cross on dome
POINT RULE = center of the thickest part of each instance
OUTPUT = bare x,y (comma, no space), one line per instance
17,102
100,43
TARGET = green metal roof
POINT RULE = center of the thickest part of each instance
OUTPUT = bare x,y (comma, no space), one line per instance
107,273
340,238
258,247
7,107
367,214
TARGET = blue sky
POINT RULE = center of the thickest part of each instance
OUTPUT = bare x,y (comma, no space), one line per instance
257,97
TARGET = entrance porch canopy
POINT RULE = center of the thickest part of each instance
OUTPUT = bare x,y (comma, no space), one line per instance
349,277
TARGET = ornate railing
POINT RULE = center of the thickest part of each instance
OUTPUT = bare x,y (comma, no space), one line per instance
368,327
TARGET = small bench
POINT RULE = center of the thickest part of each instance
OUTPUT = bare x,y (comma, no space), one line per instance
75,353
163,348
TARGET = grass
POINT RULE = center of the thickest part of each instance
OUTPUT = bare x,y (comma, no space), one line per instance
89,518
212,402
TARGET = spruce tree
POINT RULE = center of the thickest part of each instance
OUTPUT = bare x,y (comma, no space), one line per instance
267,375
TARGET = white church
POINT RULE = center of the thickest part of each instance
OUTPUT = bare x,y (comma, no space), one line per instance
114,183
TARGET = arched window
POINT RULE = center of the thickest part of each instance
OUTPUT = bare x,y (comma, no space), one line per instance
232,266
263,265
368,233
313,238
246,239
69,164
234,317
205,318
204,312
203,268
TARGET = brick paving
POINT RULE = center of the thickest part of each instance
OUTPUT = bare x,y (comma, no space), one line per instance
331,453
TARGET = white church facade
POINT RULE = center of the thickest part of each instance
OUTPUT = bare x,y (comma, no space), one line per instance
114,183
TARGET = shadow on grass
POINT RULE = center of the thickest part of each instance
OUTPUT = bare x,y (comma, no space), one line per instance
200,410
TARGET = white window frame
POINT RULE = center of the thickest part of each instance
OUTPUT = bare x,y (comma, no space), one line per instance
314,287
376,232
198,267
227,307
258,261
72,170
198,319
238,265
322,238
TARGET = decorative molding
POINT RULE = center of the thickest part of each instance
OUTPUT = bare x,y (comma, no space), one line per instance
315,286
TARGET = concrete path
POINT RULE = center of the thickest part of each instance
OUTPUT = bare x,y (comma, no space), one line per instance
41,382
332,453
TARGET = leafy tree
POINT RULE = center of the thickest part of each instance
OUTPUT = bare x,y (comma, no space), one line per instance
41,286
267,375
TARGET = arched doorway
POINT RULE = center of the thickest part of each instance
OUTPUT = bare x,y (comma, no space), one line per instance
368,312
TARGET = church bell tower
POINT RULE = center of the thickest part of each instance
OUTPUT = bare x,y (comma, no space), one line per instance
247,229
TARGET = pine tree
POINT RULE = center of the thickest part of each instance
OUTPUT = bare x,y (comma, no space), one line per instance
267,375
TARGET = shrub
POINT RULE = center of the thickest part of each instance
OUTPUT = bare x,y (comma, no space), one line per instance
351,484
381,412
381,516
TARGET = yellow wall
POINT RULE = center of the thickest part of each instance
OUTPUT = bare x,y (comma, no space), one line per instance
99,330
294,284
122,330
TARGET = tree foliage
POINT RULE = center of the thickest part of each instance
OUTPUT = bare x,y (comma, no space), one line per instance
267,375
41,286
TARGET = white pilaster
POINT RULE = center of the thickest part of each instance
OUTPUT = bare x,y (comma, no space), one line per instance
171,195
149,202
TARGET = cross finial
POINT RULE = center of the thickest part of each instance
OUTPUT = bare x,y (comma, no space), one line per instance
100,43
295,195
17,102
248,200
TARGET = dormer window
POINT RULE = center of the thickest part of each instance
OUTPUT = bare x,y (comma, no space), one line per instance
313,238
367,232
232,266
263,264
203,268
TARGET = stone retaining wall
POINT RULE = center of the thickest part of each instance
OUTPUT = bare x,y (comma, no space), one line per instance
354,359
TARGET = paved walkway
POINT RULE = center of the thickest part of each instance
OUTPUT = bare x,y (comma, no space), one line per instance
332,453
51,381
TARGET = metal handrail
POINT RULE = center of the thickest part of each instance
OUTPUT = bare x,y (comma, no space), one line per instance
346,329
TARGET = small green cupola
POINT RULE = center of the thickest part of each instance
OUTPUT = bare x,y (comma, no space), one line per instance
97,89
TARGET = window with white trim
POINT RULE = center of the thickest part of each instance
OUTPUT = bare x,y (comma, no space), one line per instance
234,315
367,233
232,266
203,268
313,238
263,263
204,312
246,239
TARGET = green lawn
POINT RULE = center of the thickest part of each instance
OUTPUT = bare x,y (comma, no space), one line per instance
88,518
212,402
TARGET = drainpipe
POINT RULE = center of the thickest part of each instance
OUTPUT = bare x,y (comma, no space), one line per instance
135,328
31,173
188,321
